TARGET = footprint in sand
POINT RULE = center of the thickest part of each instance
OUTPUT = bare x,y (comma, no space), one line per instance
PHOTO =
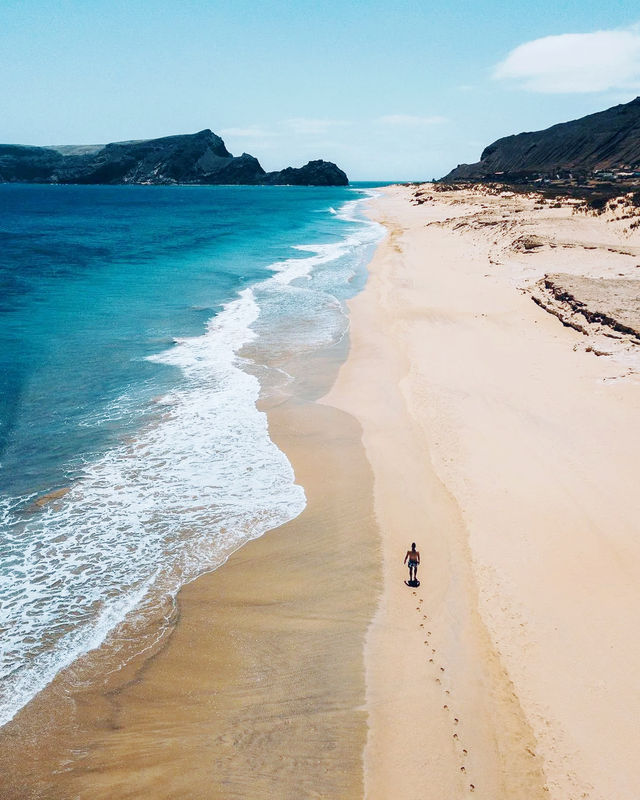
446,708
441,669
431,661
455,736
462,769
464,752
471,787
433,649
456,720
446,691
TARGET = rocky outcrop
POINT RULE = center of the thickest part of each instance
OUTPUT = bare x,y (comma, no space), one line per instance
198,158
608,140
315,173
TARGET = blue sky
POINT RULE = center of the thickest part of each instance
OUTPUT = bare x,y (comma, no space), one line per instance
388,90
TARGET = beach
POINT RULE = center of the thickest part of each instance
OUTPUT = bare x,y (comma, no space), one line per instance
475,409
257,689
504,443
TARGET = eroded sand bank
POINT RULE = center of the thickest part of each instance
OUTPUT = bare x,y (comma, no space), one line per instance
505,443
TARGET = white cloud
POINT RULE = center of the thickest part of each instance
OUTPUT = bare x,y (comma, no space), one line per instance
576,62
411,121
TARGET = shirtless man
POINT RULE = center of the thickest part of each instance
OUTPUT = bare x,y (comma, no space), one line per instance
413,557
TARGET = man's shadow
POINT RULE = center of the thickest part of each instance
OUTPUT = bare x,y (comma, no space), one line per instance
414,584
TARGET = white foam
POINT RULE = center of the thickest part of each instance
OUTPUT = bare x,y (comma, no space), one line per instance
134,522
140,511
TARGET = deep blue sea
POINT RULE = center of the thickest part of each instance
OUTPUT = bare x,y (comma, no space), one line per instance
123,313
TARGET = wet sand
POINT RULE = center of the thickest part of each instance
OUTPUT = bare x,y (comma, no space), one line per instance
258,691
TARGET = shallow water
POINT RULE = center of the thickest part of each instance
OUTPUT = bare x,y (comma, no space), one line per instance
122,313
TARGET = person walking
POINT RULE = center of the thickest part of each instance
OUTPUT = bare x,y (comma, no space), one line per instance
412,559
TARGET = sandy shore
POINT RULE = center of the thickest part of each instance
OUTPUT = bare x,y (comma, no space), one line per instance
257,690
505,443
488,410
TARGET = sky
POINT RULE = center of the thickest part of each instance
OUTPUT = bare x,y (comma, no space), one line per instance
388,90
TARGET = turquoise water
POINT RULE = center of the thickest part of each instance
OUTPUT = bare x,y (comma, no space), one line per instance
122,312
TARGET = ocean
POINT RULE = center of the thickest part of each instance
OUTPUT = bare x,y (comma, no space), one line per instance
133,457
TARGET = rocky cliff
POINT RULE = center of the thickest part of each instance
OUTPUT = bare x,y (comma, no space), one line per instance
608,140
315,173
198,158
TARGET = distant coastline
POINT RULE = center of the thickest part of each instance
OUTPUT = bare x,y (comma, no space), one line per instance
198,158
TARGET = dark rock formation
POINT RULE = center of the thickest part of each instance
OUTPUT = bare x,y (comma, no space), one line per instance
26,164
315,173
198,158
608,140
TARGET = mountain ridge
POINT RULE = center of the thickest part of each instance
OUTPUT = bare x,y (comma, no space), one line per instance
605,140
198,158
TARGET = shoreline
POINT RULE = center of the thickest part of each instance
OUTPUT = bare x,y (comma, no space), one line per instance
504,444
130,521
262,664
471,419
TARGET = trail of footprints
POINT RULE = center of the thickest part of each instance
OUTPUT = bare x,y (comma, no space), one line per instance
447,692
